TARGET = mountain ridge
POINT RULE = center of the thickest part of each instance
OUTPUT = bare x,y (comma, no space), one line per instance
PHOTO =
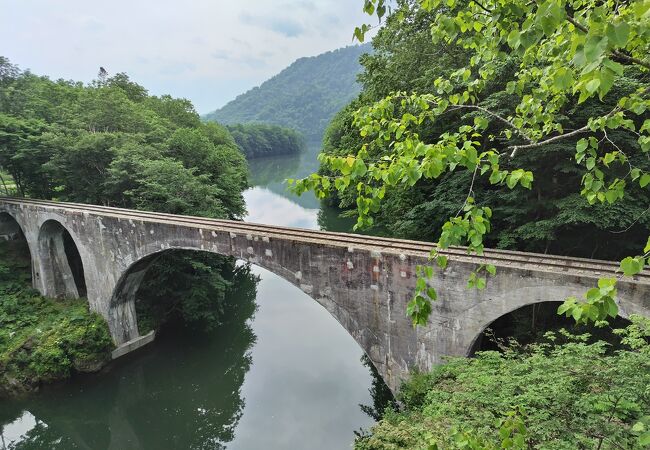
304,96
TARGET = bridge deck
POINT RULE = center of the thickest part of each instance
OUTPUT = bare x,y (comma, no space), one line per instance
500,258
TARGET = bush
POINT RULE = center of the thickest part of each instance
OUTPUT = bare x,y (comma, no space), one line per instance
41,339
571,395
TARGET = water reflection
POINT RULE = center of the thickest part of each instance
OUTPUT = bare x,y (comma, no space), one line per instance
166,397
270,201
382,397
266,206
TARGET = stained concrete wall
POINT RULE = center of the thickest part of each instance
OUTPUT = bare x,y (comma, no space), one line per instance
365,287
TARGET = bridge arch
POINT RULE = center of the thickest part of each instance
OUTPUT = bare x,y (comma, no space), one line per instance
61,266
12,230
122,309
503,311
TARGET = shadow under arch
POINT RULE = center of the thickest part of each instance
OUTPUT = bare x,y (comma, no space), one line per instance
528,323
61,266
12,232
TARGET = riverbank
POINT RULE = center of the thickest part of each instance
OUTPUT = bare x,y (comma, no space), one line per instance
43,340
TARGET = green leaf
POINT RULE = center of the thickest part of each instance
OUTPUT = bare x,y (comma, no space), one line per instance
644,439
592,85
513,178
645,180
514,39
618,34
631,266
594,48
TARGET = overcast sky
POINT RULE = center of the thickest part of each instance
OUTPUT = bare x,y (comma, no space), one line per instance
206,50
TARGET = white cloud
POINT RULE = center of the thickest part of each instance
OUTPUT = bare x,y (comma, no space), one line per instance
206,50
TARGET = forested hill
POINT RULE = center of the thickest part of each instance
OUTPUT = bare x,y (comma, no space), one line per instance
257,139
304,96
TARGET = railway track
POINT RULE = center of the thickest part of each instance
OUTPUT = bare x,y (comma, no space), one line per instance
491,256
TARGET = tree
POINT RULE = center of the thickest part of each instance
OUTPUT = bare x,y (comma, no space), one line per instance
111,143
259,140
566,52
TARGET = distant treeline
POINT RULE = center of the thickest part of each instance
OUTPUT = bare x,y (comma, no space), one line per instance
256,139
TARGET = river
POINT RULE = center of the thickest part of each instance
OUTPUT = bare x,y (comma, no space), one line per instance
283,376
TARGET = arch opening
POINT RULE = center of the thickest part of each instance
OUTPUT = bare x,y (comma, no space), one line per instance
61,264
14,248
528,324
180,288
132,300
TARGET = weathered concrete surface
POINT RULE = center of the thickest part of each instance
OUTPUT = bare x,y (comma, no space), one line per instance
364,282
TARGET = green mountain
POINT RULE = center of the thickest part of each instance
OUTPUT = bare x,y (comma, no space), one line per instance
304,96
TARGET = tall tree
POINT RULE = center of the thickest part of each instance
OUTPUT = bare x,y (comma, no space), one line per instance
575,75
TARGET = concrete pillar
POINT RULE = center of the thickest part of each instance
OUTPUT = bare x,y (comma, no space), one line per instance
55,277
122,319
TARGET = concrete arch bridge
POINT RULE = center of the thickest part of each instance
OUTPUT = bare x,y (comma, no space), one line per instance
364,282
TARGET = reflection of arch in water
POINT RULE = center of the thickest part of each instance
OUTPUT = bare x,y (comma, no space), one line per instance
61,266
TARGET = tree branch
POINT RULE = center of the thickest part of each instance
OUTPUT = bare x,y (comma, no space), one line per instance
559,137
496,116
476,2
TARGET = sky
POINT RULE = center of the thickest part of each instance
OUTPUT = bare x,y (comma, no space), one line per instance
208,51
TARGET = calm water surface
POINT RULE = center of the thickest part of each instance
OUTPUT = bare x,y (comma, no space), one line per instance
289,378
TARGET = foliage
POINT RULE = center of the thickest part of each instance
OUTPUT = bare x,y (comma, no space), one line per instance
571,395
304,96
256,139
189,402
530,105
190,288
112,143
41,339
